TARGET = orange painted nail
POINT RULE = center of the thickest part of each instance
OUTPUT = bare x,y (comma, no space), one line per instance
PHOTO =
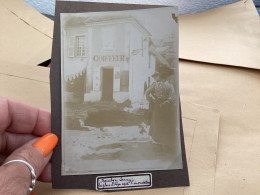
46,143
33,193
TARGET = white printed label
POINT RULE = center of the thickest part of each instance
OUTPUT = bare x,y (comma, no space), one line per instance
120,182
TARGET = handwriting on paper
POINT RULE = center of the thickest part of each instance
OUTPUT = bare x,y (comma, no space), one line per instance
124,182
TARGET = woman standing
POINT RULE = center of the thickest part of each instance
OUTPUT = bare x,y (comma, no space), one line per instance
161,96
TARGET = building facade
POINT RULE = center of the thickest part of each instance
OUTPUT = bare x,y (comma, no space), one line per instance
114,56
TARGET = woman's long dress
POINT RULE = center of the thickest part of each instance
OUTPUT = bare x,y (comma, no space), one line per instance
163,118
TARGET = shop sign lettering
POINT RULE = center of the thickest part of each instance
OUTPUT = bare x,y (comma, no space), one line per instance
110,58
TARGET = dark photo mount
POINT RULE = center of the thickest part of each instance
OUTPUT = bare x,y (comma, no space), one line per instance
159,178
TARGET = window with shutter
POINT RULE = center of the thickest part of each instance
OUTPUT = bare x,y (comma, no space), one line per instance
80,46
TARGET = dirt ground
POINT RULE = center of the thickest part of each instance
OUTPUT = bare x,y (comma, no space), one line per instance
114,149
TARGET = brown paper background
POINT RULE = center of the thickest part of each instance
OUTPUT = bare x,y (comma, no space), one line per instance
25,34
235,92
228,35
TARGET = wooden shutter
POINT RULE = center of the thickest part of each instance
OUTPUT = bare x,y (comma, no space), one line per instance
71,47
117,78
96,79
125,81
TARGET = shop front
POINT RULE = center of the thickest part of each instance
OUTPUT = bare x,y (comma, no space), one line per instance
115,56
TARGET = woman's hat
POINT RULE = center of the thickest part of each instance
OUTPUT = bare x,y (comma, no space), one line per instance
166,71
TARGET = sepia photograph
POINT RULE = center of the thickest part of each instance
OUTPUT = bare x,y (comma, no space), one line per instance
120,91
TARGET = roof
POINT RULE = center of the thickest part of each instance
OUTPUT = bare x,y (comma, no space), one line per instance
162,60
100,21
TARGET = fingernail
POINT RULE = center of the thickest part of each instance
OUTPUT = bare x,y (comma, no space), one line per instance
33,193
46,143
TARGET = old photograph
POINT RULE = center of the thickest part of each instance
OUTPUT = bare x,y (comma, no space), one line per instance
120,91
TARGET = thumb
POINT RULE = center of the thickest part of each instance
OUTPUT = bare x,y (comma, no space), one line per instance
16,176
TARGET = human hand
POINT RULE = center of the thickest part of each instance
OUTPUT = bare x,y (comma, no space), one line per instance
20,128
153,99
165,102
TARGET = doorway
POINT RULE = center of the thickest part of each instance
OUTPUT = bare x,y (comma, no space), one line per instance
107,83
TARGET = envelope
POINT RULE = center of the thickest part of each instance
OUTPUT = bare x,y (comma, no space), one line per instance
25,34
28,84
228,35
235,92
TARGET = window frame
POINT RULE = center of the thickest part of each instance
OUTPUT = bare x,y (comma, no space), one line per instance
82,46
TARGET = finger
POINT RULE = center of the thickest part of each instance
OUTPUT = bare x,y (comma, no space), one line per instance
13,141
2,158
17,117
37,153
46,174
